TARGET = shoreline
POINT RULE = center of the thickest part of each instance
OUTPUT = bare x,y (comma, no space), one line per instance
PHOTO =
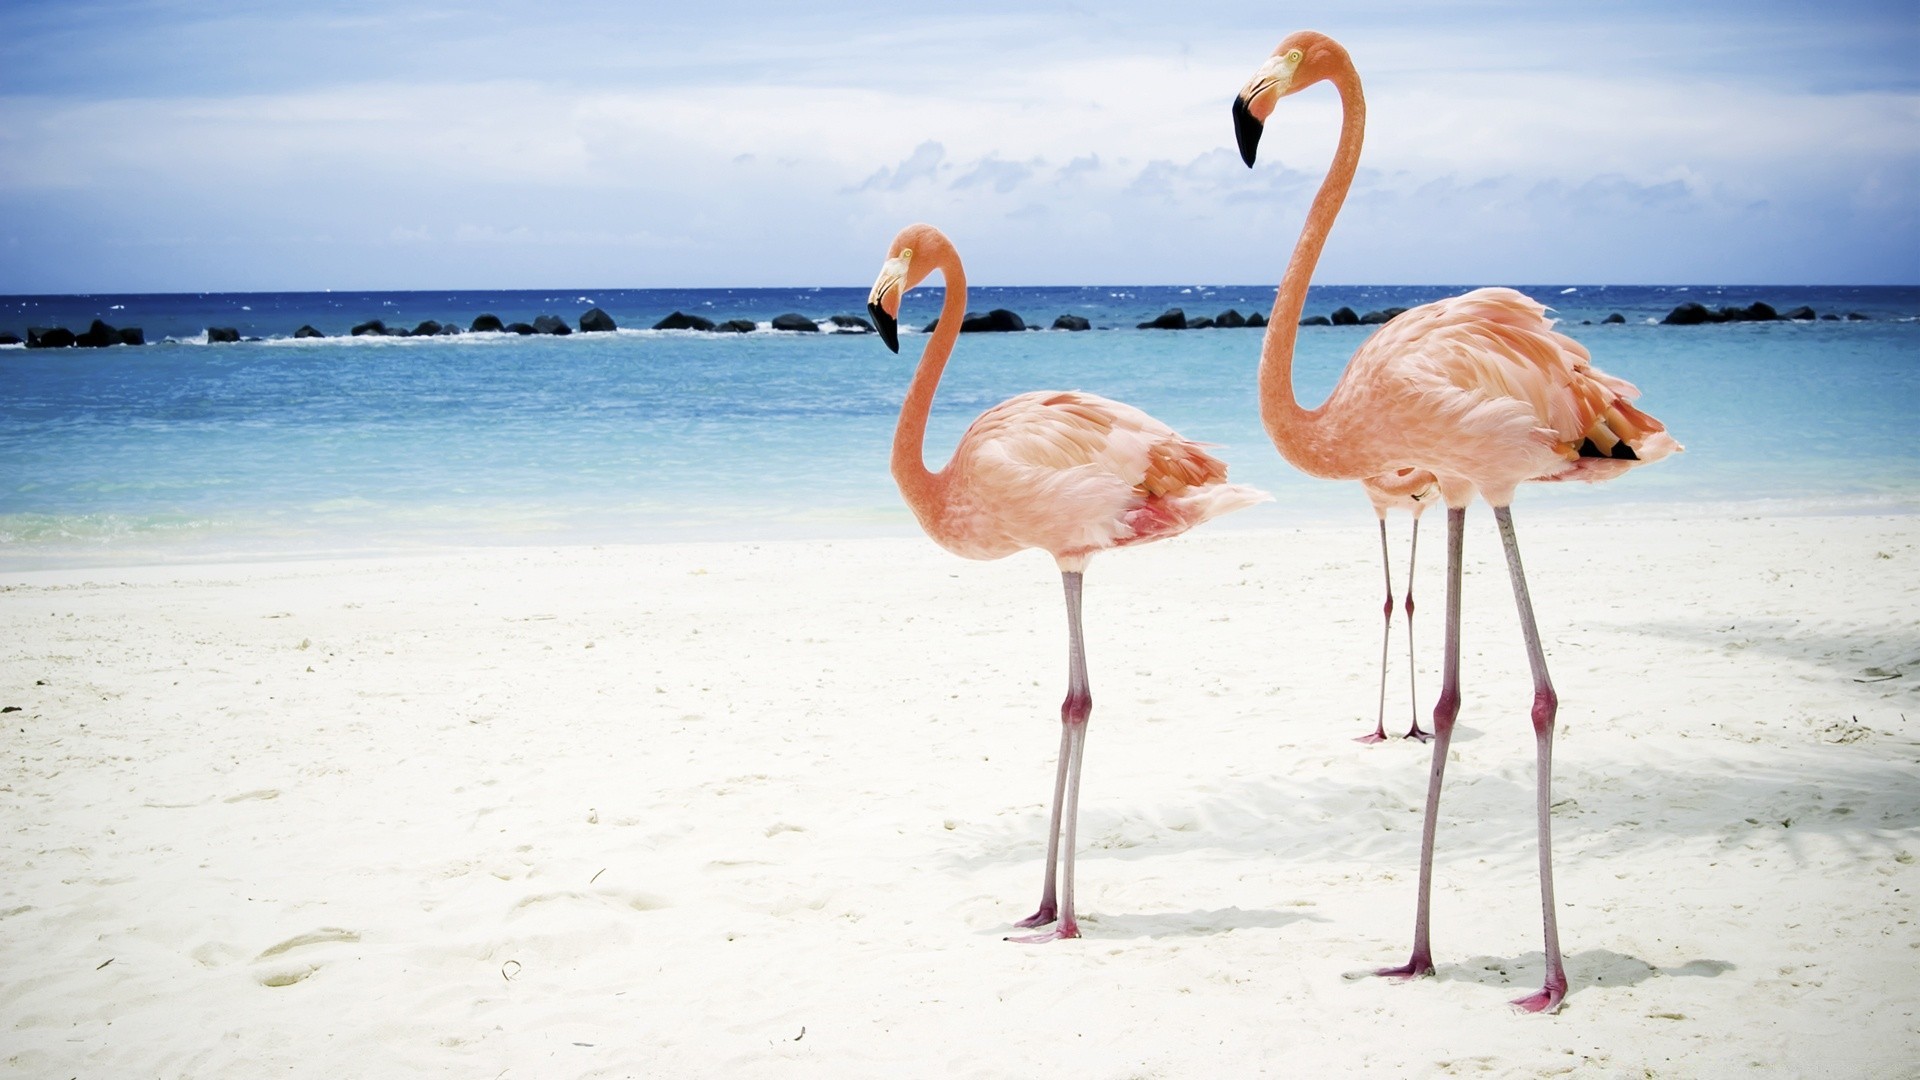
769,807
890,523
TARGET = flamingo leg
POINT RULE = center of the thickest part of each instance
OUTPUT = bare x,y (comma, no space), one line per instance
1546,705
1049,902
1074,712
1386,633
1413,677
1445,710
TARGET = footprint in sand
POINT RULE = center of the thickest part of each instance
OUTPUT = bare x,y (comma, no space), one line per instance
249,796
614,898
294,959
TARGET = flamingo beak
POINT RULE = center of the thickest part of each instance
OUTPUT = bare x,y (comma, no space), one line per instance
1246,129
888,326
883,303
1272,82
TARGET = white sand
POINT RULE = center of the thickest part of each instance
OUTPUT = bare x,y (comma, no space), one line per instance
767,810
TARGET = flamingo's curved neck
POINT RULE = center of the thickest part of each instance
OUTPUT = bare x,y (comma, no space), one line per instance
917,484
1297,432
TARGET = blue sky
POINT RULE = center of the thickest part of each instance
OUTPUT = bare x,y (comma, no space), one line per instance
187,146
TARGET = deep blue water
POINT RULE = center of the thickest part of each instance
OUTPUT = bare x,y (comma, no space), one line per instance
181,449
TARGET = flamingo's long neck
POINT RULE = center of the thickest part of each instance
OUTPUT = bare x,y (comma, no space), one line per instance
1301,434
918,486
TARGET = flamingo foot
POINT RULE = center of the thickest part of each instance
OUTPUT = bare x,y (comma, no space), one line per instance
1039,918
1416,968
1422,736
1546,1001
1376,737
1066,929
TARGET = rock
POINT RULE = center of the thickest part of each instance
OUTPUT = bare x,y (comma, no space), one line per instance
1616,317
999,320
427,329
307,331
1799,314
218,334
793,321
449,329
1855,316
1230,318
1256,319
851,322
738,326
49,337
1345,317
1316,320
1071,322
1758,311
487,324
1691,313
596,321
98,336
518,328
1201,323
1829,317
371,326
1171,319
1384,315
551,324
9,339
681,321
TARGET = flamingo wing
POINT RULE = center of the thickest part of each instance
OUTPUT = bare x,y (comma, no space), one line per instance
1073,473
1494,382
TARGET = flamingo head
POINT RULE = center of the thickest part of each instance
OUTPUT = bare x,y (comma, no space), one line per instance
898,274
1303,59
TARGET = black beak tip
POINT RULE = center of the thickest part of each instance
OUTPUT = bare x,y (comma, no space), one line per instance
888,326
1246,130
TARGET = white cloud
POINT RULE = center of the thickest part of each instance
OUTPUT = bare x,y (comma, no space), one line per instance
922,164
1001,176
1497,139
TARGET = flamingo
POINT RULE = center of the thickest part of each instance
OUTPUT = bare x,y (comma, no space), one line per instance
1066,472
1477,389
1411,488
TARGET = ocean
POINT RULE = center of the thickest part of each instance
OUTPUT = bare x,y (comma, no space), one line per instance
281,446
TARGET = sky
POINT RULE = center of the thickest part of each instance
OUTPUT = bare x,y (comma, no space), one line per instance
217,145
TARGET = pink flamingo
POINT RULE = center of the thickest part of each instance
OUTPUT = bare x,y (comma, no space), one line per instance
1411,488
1478,390
1066,472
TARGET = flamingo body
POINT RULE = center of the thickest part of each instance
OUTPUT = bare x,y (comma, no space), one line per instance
1481,390
1072,473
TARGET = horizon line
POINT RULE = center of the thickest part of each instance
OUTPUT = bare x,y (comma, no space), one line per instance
972,285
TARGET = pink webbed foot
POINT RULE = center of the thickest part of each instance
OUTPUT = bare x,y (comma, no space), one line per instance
1066,929
1547,1000
1413,969
1371,738
1422,736
1042,917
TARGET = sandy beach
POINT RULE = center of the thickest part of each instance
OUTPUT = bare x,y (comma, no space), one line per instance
769,809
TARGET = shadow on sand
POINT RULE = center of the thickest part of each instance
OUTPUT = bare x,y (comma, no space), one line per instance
1591,968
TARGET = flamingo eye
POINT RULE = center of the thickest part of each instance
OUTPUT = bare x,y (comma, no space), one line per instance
1294,57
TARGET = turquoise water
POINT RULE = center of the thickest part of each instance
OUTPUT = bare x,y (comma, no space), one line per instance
179,449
